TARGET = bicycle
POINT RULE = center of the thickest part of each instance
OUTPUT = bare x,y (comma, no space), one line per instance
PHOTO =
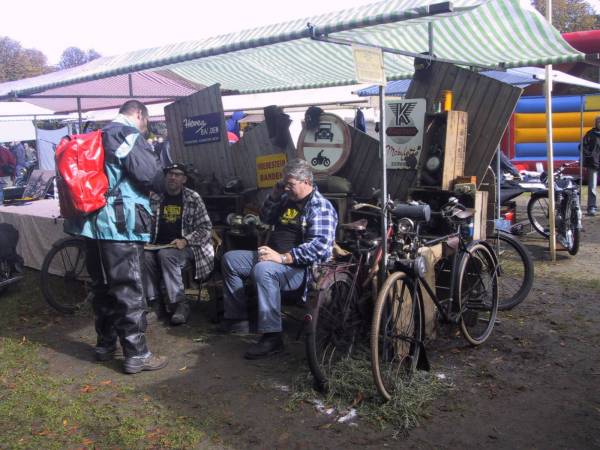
66,285
398,325
338,303
567,213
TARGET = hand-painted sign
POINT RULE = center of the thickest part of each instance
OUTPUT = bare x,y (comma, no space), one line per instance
326,148
269,169
368,64
404,131
202,129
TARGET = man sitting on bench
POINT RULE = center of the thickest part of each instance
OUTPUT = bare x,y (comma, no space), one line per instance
181,223
305,224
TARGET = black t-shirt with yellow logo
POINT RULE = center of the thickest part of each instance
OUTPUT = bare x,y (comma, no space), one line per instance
288,229
169,225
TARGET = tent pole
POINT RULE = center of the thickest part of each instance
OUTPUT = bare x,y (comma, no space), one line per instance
384,194
498,182
430,36
550,146
79,114
37,144
582,124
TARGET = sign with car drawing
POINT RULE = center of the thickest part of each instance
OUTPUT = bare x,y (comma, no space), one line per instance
327,146
404,132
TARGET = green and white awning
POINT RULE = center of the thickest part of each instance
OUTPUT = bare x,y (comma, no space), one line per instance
492,33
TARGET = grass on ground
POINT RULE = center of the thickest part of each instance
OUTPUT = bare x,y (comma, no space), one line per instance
351,386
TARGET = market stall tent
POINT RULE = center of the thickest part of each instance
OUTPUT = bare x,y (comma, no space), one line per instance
490,34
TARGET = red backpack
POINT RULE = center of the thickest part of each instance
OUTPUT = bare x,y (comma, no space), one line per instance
8,162
81,181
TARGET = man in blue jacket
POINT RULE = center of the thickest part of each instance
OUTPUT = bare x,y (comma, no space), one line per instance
304,233
116,236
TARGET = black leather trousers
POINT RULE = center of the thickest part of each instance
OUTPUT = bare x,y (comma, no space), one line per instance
119,303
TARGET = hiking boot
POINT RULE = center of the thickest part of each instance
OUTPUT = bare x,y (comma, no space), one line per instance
269,344
234,326
105,353
181,314
150,362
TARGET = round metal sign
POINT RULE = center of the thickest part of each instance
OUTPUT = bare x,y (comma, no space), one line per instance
327,147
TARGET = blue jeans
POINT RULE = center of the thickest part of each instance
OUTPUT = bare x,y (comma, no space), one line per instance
592,185
270,280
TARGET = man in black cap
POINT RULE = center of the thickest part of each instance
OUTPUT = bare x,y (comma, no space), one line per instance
182,229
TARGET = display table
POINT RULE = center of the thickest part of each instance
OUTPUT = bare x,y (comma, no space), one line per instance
39,227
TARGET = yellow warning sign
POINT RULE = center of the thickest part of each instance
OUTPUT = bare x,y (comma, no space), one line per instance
269,169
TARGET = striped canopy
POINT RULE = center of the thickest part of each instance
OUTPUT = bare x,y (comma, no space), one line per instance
490,33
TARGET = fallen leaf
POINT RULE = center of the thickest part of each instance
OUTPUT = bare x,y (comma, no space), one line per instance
358,399
65,422
87,389
106,382
183,368
87,442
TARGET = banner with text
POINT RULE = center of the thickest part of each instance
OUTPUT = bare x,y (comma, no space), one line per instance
202,129
269,169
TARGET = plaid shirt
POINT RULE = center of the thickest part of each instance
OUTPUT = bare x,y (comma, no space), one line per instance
196,229
319,221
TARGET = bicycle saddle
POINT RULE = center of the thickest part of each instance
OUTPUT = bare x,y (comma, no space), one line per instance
359,225
463,215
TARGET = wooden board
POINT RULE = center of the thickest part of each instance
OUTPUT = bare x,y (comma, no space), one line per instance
455,147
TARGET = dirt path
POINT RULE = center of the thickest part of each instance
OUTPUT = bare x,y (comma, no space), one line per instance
534,384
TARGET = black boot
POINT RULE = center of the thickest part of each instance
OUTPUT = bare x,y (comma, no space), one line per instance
181,314
269,344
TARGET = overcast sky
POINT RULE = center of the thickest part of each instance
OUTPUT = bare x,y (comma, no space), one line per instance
111,27
115,26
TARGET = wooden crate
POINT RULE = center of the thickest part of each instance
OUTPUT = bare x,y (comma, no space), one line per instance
445,133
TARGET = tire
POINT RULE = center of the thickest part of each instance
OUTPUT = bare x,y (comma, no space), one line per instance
516,270
65,281
396,333
477,292
336,325
326,162
538,210
314,162
572,219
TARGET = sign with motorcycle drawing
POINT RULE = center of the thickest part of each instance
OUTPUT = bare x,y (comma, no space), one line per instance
404,131
327,146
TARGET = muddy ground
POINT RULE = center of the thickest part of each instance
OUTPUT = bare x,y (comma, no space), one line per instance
534,384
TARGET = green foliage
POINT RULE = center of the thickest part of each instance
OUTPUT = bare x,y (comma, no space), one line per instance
570,15
17,62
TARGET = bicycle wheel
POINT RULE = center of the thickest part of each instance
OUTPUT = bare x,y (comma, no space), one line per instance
65,281
538,212
396,333
516,271
572,227
335,327
477,292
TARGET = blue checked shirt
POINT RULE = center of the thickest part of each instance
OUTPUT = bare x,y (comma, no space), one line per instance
319,221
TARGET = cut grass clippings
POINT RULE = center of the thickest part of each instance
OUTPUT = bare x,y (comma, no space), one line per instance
351,386
49,412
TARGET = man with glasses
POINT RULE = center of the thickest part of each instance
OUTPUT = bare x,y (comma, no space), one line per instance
116,235
304,232
181,235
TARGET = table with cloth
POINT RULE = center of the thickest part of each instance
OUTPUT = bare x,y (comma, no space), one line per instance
39,227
